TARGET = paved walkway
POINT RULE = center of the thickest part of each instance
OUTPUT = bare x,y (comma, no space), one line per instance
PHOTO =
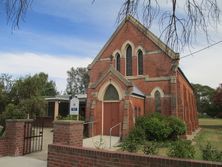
47,139
21,162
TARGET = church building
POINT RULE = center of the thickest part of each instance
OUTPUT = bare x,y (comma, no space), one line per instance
135,74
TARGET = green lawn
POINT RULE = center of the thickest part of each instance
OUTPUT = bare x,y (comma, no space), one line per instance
211,131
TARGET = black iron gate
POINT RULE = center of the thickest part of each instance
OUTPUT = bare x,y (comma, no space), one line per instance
33,136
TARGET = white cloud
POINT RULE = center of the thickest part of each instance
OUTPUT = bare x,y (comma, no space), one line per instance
204,67
21,64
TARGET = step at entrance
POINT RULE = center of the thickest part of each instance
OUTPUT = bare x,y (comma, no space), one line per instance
101,142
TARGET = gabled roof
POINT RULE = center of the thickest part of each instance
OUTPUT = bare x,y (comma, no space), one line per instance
115,73
145,31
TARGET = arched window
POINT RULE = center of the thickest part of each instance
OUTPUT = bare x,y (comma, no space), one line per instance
128,60
111,93
117,62
140,62
157,101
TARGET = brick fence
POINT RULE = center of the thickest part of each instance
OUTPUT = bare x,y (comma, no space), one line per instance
62,154
3,147
13,141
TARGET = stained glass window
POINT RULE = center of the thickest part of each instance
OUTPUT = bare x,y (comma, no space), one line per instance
111,93
157,101
140,62
129,60
118,62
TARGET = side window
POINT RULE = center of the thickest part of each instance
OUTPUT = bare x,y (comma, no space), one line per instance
128,60
117,62
157,101
140,62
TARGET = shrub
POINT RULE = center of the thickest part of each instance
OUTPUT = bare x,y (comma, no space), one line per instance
177,126
160,128
150,148
133,140
130,145
210,153
137,134
181,149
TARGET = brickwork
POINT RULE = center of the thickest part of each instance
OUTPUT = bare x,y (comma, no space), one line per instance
60,155
15,137
68,132
3,146
159,71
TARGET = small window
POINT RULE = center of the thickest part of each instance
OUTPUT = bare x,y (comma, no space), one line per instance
135,112
128,60
118,62
111,93
157,101
140,62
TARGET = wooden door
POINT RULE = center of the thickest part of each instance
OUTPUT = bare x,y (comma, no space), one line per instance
111,118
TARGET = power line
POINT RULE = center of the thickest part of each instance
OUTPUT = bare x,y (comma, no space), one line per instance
209,46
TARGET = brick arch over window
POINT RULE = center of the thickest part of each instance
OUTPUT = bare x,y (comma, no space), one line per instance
111,93
140,62
104,87
129,60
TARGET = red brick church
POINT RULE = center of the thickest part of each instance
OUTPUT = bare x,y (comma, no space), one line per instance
135,73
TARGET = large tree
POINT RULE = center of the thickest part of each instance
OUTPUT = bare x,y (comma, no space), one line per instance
26,94
77,81
209,100
179,20
217,99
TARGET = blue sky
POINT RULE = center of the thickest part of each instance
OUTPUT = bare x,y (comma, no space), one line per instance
57,35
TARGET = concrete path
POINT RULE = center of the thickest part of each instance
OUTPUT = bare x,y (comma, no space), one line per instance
101,142
47,139
21,162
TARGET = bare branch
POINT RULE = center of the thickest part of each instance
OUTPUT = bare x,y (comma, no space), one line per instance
176,28
16,10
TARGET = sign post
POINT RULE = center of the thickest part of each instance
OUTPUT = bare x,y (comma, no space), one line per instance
74,107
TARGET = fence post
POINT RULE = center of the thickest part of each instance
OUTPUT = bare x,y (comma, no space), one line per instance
68,132
15,136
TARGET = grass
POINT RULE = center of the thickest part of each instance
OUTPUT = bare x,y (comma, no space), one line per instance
211,131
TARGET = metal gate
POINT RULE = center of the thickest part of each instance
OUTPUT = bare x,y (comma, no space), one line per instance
33,136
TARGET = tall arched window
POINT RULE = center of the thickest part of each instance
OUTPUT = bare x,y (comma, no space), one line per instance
128,60
140,62
111,93
117,62
157,101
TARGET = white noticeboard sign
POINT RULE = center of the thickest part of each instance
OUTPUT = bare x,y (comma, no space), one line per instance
74,106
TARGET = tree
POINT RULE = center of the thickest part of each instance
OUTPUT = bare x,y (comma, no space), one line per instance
6,83
27,94
16,10
77,81
209,100
177,28
217,99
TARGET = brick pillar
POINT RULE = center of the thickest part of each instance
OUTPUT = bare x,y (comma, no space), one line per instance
15,136
173,91
68,132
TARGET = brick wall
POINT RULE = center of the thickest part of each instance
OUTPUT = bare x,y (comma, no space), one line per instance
3,147
68,132
60,155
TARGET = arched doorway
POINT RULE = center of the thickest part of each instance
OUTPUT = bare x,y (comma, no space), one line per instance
111,111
